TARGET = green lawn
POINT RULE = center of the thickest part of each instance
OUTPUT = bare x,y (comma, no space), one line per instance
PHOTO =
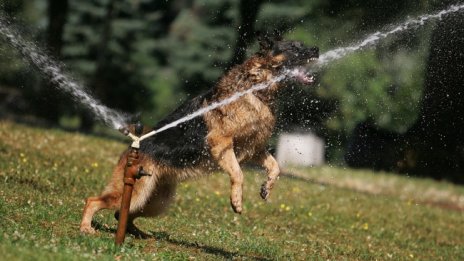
325,213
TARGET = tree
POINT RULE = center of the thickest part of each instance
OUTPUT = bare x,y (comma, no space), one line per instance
437,138
248,11
50,102
100,87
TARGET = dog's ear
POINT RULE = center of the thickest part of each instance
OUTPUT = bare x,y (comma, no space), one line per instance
265,43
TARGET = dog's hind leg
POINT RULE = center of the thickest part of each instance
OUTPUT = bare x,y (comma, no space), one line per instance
109,199
273,171
158,203
223,152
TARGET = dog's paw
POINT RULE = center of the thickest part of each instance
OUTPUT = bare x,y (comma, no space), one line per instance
265,191
236,206
87,230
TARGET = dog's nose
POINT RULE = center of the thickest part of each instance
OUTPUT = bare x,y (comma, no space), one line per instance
314,52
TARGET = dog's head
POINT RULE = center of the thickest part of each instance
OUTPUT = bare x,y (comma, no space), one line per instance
290,56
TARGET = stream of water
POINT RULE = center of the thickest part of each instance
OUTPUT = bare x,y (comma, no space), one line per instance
374,38
54,72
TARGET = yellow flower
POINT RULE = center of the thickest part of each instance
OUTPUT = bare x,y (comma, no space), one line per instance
282,206
365,226
217,193
95,164
310,214
287,208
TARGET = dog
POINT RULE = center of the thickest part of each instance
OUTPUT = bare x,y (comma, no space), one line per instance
222,138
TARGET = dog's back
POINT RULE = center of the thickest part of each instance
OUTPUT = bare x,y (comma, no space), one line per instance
183,145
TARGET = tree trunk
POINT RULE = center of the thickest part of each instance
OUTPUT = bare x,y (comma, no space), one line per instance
437,138
100,86
49,99
246,32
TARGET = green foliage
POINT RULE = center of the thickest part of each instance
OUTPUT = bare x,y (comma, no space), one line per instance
112,47
147,56
382,84
200,44
387,91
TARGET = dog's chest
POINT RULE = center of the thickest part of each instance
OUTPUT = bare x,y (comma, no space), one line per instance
249,121
257,120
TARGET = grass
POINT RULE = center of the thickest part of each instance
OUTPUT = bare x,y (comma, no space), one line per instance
326,213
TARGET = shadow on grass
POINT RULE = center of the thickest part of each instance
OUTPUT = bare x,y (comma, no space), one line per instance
163,236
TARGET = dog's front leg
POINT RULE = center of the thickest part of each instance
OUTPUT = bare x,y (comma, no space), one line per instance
223,152
273,171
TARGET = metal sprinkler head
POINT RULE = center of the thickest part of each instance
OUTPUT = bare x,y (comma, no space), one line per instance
135,135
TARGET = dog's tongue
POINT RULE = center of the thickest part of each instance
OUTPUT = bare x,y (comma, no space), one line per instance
306,79
302,76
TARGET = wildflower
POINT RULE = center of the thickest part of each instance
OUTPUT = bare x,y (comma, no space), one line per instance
365,226
95,164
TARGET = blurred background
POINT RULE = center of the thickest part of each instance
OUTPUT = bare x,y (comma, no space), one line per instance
398,107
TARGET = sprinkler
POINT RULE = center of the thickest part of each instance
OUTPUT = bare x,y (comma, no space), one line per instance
132,172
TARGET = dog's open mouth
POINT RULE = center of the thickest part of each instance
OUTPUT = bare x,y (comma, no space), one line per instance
302,75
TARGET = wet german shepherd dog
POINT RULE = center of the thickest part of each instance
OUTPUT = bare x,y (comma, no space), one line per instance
220,139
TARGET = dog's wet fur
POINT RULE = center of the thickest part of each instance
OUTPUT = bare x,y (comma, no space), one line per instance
220,139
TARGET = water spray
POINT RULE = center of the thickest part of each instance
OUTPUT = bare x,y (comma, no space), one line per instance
55,73
374,38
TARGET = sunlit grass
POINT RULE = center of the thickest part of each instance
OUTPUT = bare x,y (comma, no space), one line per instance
46,174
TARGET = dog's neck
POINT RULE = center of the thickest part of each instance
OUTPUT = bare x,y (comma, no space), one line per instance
256,70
